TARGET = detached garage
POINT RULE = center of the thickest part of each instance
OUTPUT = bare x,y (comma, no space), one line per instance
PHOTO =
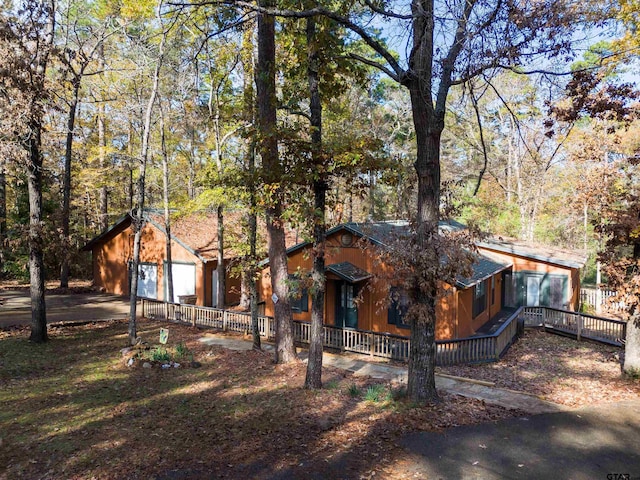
194,248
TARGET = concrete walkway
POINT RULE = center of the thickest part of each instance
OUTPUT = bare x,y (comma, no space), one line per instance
392,373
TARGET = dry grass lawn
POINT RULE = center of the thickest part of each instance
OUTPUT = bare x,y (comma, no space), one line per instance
558,369
72,409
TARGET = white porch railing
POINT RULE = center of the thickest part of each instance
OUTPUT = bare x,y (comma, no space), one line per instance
591,297
479,349
581,325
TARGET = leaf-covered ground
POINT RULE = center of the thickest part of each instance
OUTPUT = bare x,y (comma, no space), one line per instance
558,369
72,409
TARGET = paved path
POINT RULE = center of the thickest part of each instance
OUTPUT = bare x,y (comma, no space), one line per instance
586,444
554,442
15,307
392,373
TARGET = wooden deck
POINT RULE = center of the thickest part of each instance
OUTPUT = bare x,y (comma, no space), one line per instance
576,324
480,348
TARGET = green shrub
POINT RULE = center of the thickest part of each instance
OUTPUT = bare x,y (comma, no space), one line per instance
183,352
399,393
377,393
354,391
160,354
331,385
633,373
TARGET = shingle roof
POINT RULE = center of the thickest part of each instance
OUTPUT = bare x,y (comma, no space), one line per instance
349,272
483,268
196,232
544,253
382,233
379,233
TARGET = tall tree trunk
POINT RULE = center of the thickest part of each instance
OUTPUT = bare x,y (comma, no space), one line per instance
510,161
266,115
245,289
43,26
632,341
36,256
247,58
102,158
251,271
167,216
131,189
66,186
313,378
632,347
102,150
221,267
138,217
428,127
3,218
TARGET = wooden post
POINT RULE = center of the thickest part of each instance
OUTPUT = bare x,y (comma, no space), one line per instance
166,310
192,309
142,307
598,300
224,321
579,334
372,344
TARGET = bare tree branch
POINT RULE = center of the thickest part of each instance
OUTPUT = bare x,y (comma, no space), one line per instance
387,13
474,102
374,64
378,47
452,55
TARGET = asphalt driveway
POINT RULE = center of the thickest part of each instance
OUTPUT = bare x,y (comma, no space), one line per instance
591,443
15,307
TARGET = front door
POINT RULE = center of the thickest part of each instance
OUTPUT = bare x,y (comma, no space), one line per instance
346,307
533,291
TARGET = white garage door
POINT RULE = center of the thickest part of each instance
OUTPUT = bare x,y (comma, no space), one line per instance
148,280
184,280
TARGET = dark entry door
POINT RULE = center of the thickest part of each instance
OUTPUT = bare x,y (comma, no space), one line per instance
346,308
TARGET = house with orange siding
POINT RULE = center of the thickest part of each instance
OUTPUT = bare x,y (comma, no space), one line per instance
194,248
355,298
540,275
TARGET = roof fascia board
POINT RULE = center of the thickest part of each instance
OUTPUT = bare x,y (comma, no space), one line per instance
520,253
107,232
331,231
459,284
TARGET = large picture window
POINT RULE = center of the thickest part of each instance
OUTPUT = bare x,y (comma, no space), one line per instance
299,297
479,298
396,314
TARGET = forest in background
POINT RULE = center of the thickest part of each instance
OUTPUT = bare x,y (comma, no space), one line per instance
510,163
516,117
